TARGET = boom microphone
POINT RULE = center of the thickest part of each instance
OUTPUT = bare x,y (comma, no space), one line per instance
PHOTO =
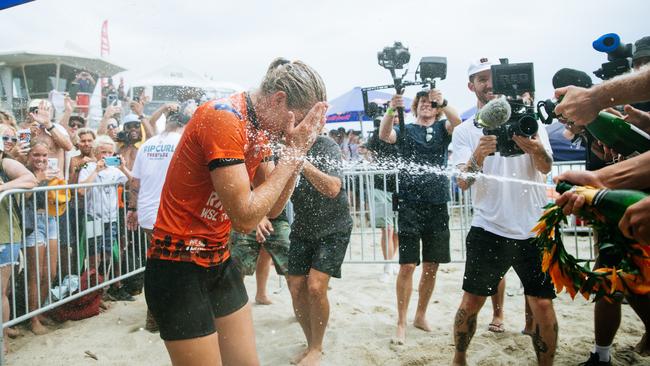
495,113
565,77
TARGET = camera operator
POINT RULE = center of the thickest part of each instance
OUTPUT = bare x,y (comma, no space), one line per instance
423,198
504,212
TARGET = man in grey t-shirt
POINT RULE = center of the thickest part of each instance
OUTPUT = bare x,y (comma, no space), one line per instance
320,234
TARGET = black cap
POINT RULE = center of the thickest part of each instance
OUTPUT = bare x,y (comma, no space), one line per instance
641,48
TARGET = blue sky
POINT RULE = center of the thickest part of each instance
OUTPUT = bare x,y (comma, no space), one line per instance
234,41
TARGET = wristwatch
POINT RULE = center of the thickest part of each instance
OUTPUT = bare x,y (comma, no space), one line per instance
444,104
49,129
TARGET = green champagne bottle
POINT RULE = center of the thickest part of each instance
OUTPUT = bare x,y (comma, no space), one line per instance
619,135
611,203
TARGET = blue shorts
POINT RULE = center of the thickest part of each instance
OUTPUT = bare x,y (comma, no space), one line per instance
43,232
9,254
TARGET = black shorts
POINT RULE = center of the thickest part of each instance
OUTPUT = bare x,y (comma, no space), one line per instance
185,298
490,256
428,223
324,254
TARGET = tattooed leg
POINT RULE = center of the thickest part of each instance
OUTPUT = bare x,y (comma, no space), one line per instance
465,325
546,331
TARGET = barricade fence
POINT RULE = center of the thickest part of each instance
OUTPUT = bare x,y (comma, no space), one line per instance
65,243
370,199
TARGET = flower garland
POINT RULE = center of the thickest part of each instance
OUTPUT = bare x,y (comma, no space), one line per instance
631,274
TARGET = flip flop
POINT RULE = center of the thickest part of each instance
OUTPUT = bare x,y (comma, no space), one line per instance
496,328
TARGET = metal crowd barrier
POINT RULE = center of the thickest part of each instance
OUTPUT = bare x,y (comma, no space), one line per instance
50,275
365,243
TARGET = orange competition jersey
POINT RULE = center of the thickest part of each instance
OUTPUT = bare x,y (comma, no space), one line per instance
192,226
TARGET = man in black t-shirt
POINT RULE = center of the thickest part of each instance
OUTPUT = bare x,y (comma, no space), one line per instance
423,196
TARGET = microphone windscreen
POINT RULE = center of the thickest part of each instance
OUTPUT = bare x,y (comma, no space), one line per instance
565,77
495,113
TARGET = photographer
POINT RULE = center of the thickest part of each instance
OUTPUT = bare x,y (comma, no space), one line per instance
423,198
102,206
130,139
85,81
504,213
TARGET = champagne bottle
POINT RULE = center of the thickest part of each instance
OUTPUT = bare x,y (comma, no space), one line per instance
611,203
619,135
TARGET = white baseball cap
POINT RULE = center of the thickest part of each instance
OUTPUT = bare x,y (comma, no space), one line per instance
481,64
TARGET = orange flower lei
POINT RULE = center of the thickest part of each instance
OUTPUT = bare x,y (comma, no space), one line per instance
575,276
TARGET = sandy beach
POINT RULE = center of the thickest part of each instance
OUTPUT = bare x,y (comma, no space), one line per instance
362,321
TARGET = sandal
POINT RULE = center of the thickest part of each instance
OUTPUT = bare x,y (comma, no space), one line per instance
496,328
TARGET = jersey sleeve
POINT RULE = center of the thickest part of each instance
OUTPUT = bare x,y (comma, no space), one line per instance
220,136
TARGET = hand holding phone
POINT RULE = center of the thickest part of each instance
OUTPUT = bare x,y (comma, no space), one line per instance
113,161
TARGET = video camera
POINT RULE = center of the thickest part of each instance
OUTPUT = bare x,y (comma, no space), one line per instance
396,57
510,115
618,54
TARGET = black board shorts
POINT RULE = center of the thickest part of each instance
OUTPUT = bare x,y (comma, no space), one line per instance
185,298
426,223
490,256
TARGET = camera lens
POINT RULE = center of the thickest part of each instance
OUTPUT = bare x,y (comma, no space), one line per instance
527,126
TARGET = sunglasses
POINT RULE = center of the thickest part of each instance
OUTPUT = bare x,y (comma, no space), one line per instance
111,126
132,125
76,125
9,138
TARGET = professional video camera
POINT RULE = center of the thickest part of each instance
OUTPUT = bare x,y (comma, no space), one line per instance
618,54
509,115
397,57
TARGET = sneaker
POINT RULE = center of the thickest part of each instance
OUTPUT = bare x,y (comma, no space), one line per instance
594,360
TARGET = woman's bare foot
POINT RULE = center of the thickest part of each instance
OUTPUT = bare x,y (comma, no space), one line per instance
312,358
37,327
400,335
263,300
421,323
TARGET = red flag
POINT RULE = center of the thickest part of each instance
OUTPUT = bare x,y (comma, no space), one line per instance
105,47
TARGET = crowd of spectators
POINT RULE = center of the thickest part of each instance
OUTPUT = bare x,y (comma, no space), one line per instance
64,233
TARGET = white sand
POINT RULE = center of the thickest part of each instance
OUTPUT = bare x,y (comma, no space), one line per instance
363,316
